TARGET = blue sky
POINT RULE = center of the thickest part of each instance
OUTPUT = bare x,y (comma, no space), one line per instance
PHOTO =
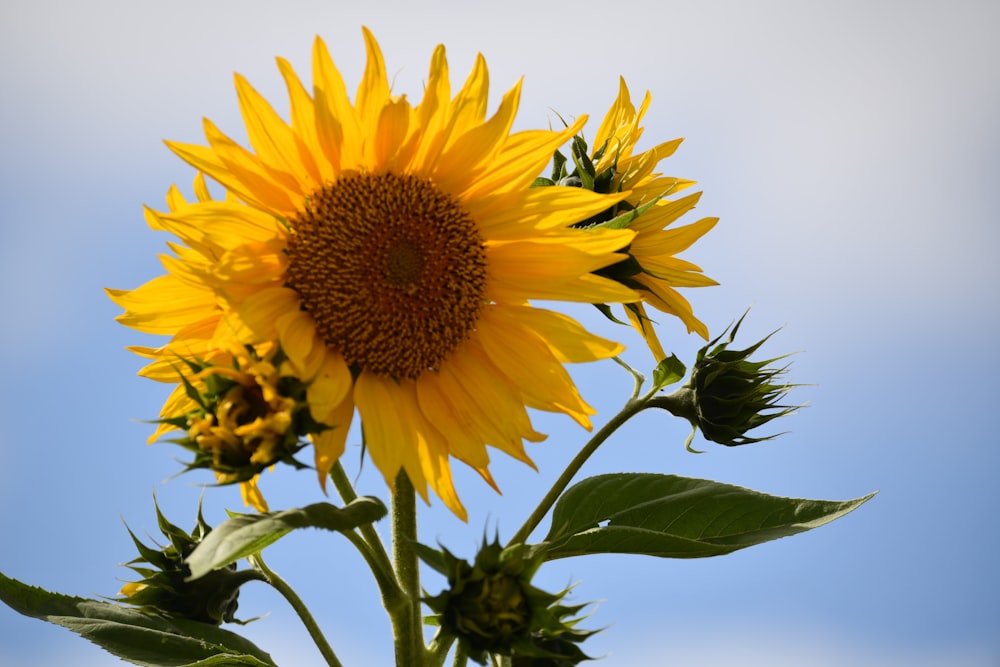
851,151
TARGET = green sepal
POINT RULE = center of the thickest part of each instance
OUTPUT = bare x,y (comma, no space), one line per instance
608,313
623,220
669,371
676,517
558,167
584,167
244,534
436,559
138,637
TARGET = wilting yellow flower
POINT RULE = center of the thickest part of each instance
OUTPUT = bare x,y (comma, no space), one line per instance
391,250
656,243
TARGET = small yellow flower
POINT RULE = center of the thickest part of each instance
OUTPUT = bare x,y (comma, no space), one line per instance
391,251
652,268
242,418
656,243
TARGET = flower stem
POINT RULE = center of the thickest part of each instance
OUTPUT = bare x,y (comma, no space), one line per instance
300,608
438,649
370,543
629,410
408,621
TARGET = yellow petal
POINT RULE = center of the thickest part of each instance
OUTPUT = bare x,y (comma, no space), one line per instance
337,124
568,340
329,445
330,386
373,90
273,141
531,366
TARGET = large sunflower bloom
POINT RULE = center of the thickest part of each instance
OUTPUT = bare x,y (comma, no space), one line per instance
656,243
391,250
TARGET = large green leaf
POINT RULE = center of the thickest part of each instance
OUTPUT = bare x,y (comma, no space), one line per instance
244,534
132,635
676,517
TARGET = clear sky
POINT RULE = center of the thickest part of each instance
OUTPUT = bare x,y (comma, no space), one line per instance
851,150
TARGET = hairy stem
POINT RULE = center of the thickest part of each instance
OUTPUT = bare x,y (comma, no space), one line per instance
409,623
300,608
631,408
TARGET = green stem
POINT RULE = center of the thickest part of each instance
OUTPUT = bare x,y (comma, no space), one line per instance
300,608
631,408
371,546
438,649
638,378
409,622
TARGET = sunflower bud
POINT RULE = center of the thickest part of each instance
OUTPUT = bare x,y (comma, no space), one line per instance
728,395
245,417
164,587
492,608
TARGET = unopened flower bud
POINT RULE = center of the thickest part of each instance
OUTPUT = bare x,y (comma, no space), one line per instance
728,395
491,607
165,587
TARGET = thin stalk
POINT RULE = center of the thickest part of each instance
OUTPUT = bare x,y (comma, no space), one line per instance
409,627
437,651
300,608
386,579
372,538
369,543
638,378
631,408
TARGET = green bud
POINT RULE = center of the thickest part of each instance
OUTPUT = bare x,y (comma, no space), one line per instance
164,588
728,395
491,607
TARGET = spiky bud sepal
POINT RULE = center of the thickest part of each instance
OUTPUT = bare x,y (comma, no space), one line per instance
491,608
164,587
728,395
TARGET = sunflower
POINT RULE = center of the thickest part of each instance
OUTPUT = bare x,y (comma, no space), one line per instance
390,250
654,270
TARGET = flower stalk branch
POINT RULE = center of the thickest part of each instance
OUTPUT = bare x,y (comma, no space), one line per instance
629,410
300,608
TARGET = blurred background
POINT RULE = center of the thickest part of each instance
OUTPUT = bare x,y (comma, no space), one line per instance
851,152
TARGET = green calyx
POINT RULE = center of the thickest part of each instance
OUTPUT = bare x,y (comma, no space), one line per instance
164,589
491,607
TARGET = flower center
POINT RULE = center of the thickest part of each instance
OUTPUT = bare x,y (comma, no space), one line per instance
392,270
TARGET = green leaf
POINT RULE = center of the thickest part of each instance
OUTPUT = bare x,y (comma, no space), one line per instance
668,371
676,517
228,660
132,635
246,534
